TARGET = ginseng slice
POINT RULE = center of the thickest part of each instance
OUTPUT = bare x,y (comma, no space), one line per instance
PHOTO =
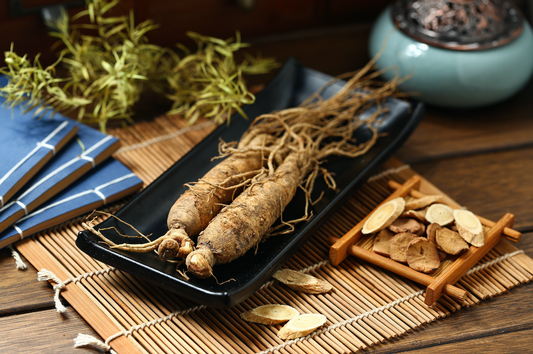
301,326
381,242
431,232
270,314
440,213
302,282
384,216
405,225
422,202
398,246
469,227
419,215
422,255
449,241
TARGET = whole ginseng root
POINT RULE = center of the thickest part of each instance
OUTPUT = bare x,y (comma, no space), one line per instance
241,225
195,208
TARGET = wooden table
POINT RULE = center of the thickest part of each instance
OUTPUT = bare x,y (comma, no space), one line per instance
482,158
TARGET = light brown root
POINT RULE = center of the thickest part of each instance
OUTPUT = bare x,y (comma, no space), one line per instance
124,235
224,282
120,220
175,243
200,263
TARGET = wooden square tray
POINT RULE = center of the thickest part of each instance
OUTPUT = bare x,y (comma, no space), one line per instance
443,283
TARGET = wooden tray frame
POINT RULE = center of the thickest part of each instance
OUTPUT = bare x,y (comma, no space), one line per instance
443,283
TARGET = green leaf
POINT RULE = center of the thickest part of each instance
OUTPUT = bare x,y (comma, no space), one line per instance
107,67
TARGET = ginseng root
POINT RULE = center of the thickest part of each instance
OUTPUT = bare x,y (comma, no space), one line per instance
191,213
241,225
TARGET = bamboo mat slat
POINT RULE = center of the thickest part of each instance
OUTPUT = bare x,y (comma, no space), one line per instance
367,305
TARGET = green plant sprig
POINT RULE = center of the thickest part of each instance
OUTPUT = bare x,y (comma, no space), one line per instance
110,63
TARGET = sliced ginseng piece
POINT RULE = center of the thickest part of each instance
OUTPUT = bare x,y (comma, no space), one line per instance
450,241
422,230
270,314
408,199
439,213
422,255
384,216
442,255
301,326
414,204
381,242
469,227
302,282
431,231
401,225
419,215
398,246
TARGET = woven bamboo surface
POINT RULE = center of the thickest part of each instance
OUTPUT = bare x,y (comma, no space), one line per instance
367,306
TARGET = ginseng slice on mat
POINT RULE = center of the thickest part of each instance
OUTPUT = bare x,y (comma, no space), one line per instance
414,204
302,282
440,213
301,326
405,225
449,241
384,216
381,242
419,215
422,255
270,314
431,232
469,227
398,246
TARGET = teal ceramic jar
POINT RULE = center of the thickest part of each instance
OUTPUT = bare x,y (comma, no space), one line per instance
450,77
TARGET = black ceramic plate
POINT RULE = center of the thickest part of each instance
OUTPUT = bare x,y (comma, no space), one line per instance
148,210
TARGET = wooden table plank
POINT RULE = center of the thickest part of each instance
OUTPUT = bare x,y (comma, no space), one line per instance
509,312
446,133
20,291
43,332
515,342
489,184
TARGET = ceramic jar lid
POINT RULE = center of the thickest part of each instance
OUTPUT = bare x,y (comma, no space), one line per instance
459,24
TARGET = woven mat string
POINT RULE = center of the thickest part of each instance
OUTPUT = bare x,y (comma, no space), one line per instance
85,340
45,274
18,260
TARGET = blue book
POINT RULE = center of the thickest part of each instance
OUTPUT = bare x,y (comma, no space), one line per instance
27,143
106,183
85,151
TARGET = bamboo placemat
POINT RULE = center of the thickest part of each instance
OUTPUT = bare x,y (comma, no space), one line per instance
367,306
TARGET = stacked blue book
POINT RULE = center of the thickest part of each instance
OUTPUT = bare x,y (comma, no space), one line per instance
53,169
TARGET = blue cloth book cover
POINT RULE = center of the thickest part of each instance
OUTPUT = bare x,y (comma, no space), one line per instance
89,148
27,143
106,183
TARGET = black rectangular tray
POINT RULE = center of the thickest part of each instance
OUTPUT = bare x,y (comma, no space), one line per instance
148,210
